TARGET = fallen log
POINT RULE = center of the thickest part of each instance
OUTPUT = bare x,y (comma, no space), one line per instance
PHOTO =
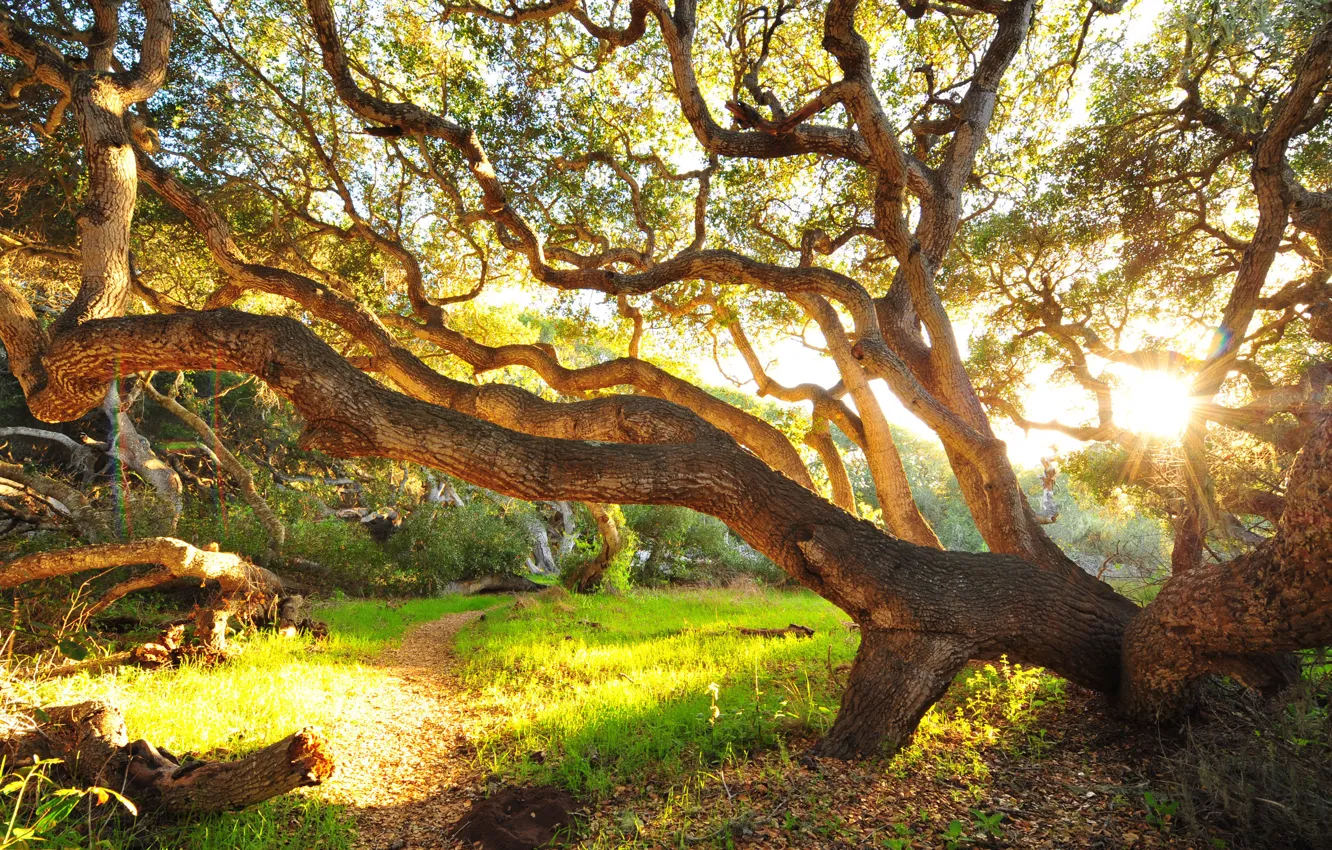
494,584
91,740
792,629
244,586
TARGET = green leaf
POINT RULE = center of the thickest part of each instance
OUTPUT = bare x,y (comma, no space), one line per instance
72,650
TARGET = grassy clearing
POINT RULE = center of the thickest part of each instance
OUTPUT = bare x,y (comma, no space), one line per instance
276,686
602,692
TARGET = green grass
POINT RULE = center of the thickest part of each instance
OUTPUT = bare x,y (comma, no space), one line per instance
613,692
631,696
664,689
274,687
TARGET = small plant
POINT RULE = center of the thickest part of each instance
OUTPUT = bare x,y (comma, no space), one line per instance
40,812
987,824
1160,810
955,836
902,841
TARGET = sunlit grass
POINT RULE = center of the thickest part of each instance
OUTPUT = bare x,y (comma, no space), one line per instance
628,700
274,687
630,697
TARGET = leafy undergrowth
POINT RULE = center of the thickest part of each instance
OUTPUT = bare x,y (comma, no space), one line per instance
274,687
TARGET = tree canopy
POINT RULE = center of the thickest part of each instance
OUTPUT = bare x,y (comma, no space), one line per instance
340,199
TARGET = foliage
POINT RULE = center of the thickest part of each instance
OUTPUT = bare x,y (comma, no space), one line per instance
684,546
1259,771
354,560
438,544
41,813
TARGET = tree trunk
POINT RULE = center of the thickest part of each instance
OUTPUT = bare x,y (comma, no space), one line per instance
92,741
543,560
588,577
132,449
1232,617
895,679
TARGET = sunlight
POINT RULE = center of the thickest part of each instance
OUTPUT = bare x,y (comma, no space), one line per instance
1152,402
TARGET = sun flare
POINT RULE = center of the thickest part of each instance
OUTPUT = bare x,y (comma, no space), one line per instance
1155,403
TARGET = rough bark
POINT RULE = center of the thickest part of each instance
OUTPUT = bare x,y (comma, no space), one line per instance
896,677
92,741
587,578
1231,617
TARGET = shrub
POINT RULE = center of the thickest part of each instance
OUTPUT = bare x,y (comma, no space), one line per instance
680,545
234,529
1259,772
439,544
354,562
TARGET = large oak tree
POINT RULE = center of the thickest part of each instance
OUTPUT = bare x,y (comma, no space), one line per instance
327,188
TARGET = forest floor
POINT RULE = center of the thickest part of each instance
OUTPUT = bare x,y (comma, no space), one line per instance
559,691
403,750
667,726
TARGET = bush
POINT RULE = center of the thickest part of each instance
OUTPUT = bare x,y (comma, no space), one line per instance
439,544
1261,774
681,545
235,529
355,562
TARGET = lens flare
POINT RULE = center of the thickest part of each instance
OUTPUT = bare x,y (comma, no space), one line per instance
1154,403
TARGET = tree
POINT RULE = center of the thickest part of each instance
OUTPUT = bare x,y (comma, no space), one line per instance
565,168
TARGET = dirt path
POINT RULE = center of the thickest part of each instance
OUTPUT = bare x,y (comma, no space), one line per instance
405,767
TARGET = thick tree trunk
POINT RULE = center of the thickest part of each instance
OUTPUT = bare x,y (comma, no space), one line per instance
92,741
895,679
588,577
1232,617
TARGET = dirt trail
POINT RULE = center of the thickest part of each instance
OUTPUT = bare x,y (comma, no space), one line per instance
405,767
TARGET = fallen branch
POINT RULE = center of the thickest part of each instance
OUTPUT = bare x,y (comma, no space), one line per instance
792,629
92,741
494,584
242,583
75,505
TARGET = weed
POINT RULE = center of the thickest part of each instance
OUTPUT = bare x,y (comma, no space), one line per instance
1160,810
987,824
